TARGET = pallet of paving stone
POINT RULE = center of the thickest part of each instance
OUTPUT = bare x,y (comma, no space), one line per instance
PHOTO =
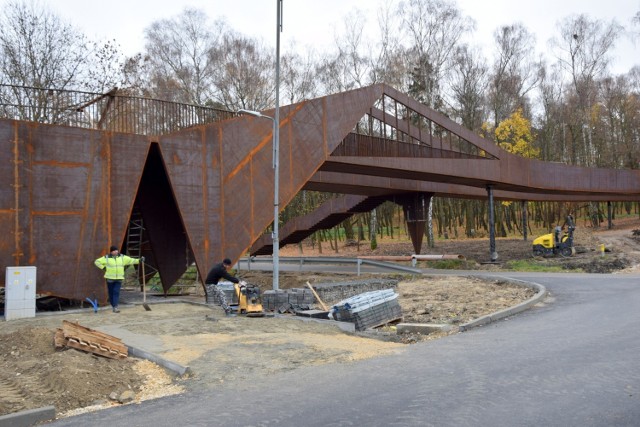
368,310
89,340
345,309
375,316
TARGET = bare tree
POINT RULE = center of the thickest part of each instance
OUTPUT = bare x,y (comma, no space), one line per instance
40,53
635,21
583,51
244,76
106,68
297,78
434,28
634,80
515,72
616,124
468,86
351,47
38,49
182,56
552,132
349,66
389,65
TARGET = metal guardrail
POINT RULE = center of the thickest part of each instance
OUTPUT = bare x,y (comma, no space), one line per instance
113,111
331,260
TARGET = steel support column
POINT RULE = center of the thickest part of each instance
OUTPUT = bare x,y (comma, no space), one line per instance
524,219
492,226
416,210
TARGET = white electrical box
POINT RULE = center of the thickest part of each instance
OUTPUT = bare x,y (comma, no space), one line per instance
20,293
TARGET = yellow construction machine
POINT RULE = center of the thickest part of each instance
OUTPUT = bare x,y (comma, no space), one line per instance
249,300
556,243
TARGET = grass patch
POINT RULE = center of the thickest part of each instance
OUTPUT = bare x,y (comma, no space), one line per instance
448,264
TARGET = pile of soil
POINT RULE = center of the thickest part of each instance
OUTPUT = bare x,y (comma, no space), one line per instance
222,351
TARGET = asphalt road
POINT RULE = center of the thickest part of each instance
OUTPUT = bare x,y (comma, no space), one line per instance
571,361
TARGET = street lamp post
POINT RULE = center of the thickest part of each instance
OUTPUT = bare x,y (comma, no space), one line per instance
276,186
276,149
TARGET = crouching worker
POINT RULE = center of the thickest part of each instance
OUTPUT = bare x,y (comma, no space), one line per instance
113,265
217,272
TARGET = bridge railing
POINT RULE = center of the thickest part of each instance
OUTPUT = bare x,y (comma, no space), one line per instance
111,111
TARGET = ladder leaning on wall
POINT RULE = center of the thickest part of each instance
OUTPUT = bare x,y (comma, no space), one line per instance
134,244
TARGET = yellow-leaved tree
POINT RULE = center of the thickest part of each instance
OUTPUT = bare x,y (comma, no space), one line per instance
514,135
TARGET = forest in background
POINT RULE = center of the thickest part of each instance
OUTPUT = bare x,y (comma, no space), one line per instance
564,107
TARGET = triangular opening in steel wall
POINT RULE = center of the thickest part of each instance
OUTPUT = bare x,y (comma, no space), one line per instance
163,241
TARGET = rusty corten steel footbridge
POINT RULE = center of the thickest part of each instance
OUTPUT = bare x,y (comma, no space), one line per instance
202,182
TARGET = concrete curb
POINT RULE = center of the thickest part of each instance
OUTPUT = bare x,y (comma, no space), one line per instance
541,292
176,368
28,418
422,328
344,326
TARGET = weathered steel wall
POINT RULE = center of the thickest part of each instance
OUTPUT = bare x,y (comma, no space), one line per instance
66,195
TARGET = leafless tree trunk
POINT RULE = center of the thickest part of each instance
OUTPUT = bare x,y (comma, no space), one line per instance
182,53
40,51
583,52
515,72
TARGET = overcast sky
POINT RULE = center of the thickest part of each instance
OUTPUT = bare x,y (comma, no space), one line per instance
313,23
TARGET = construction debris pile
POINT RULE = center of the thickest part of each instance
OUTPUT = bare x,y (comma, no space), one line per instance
368,310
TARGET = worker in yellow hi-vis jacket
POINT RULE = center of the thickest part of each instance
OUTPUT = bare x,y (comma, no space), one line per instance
113,265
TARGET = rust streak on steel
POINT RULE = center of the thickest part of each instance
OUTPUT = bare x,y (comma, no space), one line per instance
107,199
267,140
205,186
56,213
17,233
221,205
247,159
61,164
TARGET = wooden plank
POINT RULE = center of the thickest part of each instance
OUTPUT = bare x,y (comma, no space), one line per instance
78,331
59,341
387,322
111,354
79,328
82,338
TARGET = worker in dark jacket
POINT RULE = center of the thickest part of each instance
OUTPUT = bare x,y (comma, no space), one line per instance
217,272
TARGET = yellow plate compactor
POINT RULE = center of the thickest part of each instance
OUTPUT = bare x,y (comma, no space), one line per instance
249,300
